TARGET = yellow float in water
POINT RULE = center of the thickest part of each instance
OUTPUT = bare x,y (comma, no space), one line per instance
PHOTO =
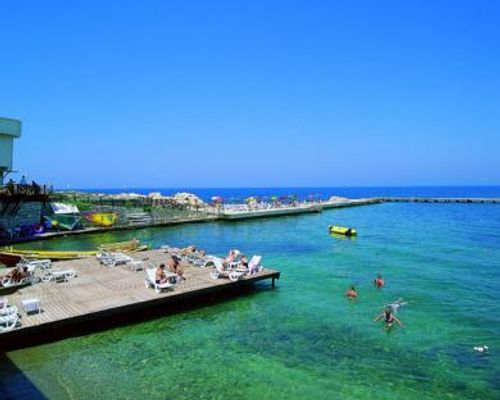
342,230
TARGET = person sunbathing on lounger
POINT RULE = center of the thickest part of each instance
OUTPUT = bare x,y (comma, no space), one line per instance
243,263
230,259
16,274
175,266
160,276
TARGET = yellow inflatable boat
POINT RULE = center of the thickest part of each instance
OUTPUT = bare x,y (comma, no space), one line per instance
342,230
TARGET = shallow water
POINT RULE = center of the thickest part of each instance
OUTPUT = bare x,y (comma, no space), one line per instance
304,339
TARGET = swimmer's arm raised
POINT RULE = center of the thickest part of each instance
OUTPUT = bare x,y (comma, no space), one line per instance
378,317
398,321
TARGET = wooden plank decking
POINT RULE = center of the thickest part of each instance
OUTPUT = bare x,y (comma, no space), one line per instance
100,292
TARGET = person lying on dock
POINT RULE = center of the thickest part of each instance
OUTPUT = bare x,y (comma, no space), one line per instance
193,251
389,318
175,266
351,293
16,274
190,249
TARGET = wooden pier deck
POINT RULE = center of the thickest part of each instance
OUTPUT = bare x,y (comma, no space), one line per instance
101,294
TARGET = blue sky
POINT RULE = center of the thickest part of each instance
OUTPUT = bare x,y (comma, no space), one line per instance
260,93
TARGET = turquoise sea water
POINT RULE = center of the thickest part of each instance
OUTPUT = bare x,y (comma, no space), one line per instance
304,339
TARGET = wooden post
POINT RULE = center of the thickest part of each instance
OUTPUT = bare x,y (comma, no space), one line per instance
272,284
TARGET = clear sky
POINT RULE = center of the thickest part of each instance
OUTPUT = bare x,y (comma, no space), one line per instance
253,93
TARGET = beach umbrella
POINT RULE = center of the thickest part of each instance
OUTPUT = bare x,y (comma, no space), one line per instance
217,199
274,198
251,199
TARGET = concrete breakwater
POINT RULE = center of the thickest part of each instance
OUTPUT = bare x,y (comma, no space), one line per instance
467,200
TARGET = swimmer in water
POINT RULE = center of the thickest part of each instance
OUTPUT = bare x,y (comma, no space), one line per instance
389,318
396,305
379,281
352,293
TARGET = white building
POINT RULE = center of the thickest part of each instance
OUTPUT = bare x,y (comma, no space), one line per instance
9,129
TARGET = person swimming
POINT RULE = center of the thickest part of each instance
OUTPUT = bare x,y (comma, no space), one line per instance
351,293
379,281
389,318
396,305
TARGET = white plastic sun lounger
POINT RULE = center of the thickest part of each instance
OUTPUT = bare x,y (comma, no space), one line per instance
150,281
5,309
218,270
59,276
30,278
8,311
8,322
254,265
41,264
113,259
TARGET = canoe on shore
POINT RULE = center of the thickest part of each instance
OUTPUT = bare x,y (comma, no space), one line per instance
130,246
52,255
11,256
